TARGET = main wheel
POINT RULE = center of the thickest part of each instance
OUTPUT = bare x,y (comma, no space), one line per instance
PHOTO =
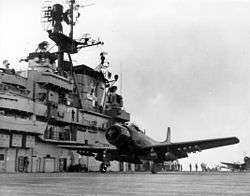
153,168
103,168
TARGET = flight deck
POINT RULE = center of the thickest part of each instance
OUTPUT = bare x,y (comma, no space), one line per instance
171,183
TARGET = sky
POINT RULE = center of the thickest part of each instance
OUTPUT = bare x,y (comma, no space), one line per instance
184,64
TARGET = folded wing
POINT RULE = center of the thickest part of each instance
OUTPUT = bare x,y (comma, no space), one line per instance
182,148
230,164
90,148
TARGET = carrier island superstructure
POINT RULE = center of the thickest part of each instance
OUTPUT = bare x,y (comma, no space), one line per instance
54,107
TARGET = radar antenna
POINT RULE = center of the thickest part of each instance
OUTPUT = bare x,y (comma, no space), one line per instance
54,16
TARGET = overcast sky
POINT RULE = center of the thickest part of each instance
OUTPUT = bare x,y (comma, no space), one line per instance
185,64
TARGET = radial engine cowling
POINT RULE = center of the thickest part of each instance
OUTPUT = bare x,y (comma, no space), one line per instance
118,135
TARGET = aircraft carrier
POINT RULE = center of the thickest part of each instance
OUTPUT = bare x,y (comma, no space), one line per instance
55,106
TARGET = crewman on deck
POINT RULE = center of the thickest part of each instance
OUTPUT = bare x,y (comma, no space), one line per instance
6,64
190,167
26,164
196,167
102,58
103,66
7,70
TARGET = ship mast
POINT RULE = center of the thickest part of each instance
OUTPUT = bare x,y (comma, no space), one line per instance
66,44
71,16
71,35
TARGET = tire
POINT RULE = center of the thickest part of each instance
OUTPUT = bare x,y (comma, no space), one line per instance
153,168
103,168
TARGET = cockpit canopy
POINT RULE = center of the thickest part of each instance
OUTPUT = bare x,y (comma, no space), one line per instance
135,127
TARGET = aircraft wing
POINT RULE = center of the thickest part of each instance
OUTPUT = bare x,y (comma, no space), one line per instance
233,165
181,149
229,164
90,148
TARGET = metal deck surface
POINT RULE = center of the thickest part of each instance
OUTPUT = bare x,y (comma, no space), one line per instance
76,184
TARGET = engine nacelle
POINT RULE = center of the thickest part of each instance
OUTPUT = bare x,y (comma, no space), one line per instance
118,135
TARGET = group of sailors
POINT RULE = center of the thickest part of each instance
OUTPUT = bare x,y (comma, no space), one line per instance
203,166
196,167
7,69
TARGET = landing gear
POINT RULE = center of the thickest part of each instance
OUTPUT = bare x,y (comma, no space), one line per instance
105,158
154,167
103,168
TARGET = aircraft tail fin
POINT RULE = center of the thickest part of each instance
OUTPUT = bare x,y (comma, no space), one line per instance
168,138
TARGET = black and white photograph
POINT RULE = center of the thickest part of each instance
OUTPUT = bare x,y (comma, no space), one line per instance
124,97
